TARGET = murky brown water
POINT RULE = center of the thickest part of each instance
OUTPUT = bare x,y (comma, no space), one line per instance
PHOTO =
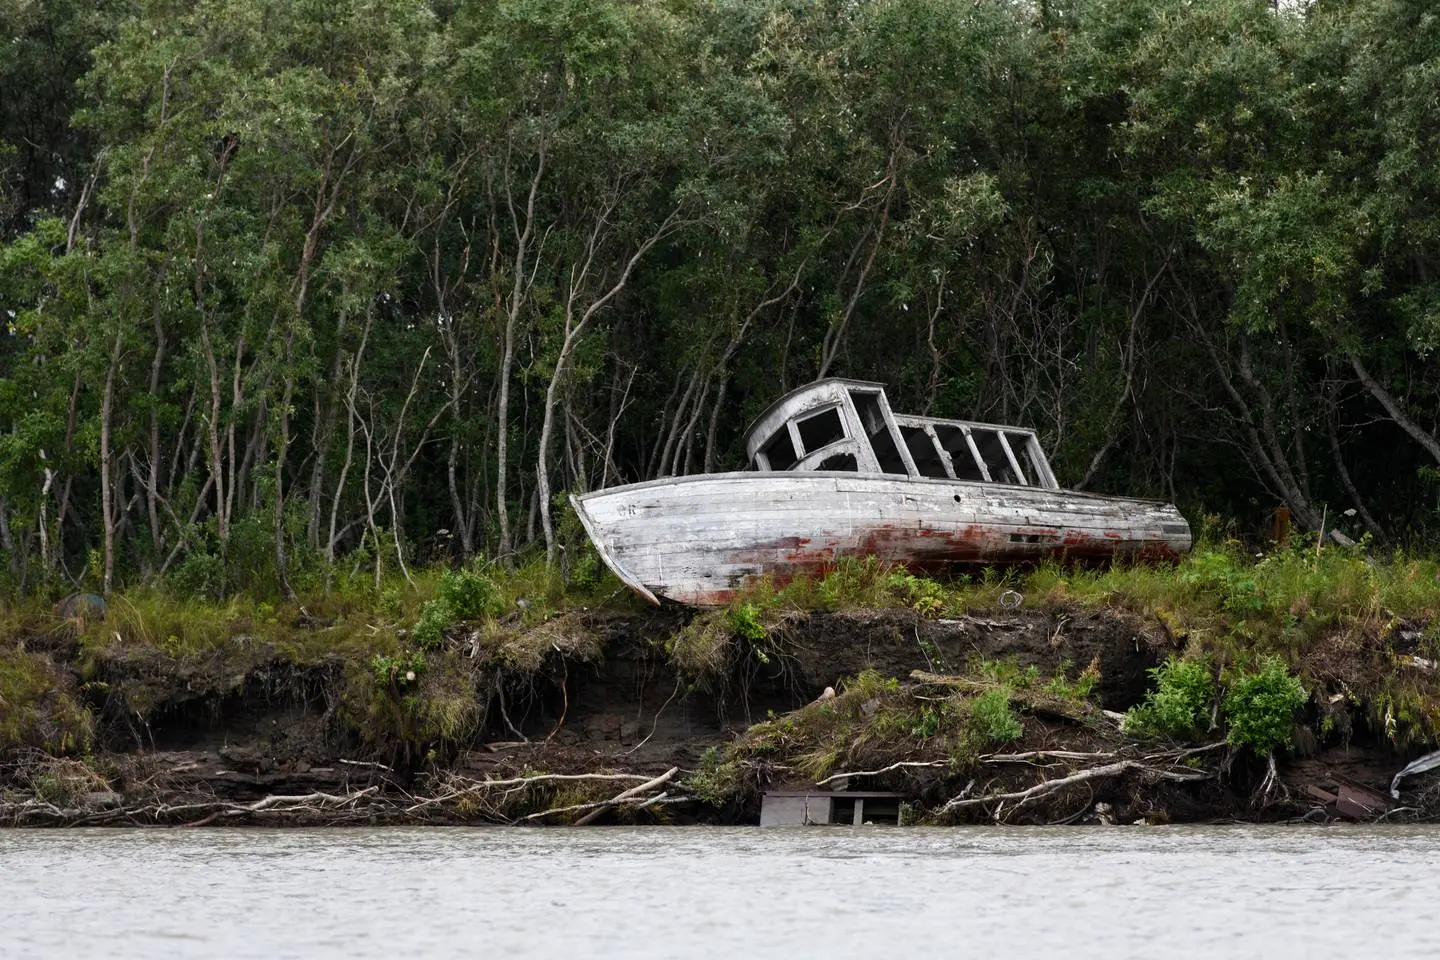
877,893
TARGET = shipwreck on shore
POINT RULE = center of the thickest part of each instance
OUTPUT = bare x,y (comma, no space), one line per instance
835,473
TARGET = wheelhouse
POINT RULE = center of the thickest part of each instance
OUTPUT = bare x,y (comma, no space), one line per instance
838,424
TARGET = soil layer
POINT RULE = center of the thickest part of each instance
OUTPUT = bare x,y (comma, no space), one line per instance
596,723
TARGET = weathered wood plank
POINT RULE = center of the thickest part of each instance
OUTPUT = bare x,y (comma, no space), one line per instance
698,541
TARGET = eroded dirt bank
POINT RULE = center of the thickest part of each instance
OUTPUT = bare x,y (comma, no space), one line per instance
1008,716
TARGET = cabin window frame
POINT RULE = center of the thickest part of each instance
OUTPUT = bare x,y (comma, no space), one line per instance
1018,446
845,428
762,459
892,428
1013,452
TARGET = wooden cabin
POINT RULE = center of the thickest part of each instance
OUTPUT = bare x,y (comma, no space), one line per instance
839,424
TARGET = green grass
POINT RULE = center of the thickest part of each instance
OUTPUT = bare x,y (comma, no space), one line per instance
39,707
1326,615
165,644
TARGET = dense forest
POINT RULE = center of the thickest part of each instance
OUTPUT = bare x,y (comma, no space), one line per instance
286,283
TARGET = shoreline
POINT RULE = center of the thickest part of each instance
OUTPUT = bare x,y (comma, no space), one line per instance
989,716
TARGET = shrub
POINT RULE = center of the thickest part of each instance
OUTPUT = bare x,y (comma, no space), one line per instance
1080,688
469,595
1260,707
435,616
993,718
401,669
717,781
744,619
1179,705
463,595
921,594
1222,574
200,574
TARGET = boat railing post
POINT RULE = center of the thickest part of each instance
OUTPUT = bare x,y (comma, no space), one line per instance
895,437
945,460
1010,455
1042,463
975,452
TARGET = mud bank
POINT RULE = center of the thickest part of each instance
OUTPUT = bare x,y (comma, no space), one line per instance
998,716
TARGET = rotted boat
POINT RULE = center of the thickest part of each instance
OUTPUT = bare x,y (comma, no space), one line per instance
835,473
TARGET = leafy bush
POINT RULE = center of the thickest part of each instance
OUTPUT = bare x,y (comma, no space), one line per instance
435,616
200,574
745,623
469,595
1260,707
921,594
401,669
717,780
1222,574
993,718
1080,688
463,595
1179,705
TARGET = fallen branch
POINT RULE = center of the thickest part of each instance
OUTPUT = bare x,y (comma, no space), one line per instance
876,773
477,786
942,680
1052,786
658,800
1044,755
284,804
605,804
632,792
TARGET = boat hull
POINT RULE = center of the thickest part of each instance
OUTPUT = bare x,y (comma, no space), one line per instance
698,540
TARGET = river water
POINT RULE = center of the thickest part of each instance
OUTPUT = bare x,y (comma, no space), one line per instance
883,893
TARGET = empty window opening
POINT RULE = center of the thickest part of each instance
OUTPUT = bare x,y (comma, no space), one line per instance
779,451
842,810
922,451
881,811
821,430
953,440
840,461
987,442
872,418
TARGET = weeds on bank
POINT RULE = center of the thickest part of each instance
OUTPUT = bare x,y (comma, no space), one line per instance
1257,709
871,721
402,675
39,706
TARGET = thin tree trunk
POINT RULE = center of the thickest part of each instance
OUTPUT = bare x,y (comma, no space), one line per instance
1419,434
152,482
350,418
324,425
7,540
524,232
574,330
107,496
1343,472
835,336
